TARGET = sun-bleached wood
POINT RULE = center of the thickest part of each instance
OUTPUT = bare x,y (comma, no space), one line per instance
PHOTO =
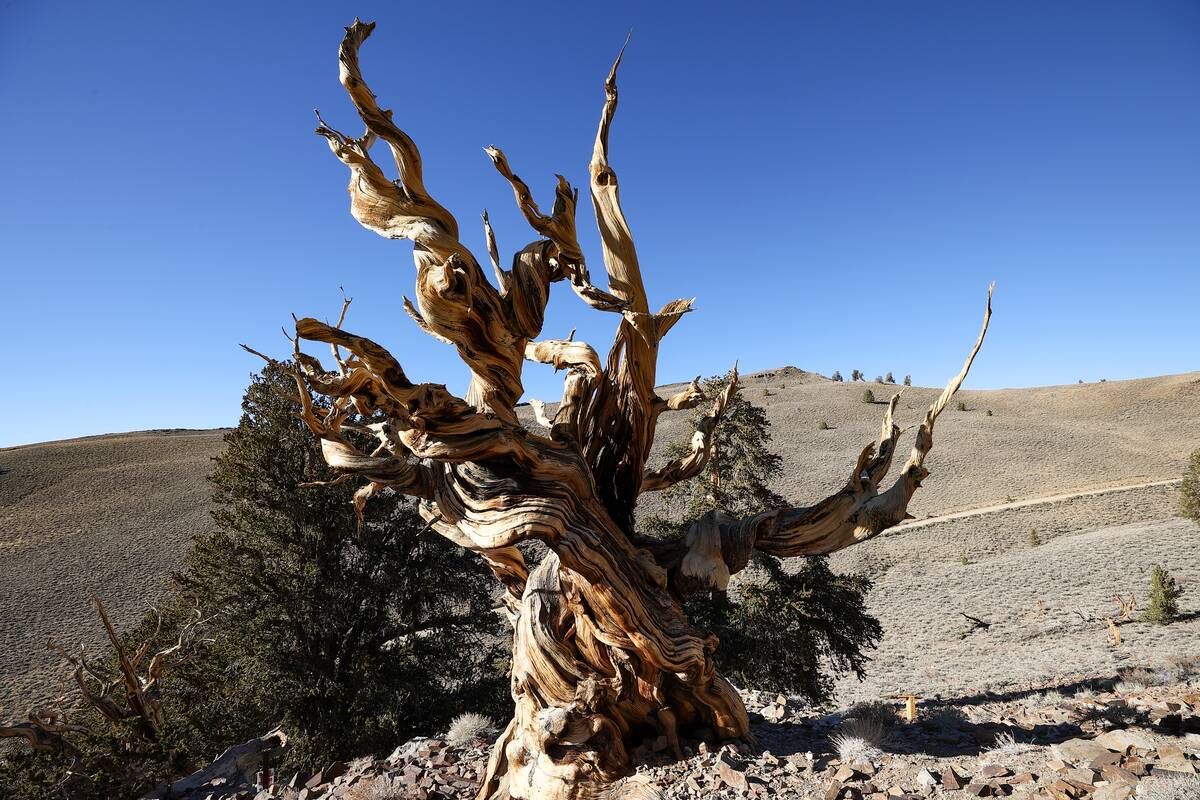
603,654
132,694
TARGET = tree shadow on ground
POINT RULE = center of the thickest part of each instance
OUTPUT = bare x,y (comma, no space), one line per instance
944,730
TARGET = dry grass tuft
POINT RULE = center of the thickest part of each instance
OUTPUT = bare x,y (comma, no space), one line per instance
468,728
859,738
381,787
1004,748
875,711
855,750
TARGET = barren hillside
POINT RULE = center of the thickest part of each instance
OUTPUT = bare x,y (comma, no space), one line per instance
113,514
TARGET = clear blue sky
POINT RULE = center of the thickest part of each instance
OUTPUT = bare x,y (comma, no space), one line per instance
835,183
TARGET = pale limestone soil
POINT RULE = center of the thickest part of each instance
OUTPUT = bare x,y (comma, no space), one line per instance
1038,442
926,648
109,516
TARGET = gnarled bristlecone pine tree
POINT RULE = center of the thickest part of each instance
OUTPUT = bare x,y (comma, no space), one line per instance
603,654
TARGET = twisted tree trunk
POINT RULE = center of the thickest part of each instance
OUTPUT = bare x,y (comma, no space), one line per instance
603,654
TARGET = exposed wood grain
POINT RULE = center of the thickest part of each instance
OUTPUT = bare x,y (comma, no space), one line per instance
603,654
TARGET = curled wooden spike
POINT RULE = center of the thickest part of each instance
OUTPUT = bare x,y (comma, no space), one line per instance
502,277
539,413
690,396
702,445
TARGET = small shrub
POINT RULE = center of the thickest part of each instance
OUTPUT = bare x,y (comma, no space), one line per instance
1164,597
964,560
908,380
766,392
946,720
1004,748
877,712
836,376
1033,538
858,742
1189,492
783,386
1042,699
380,787
888,378
989,412
468,728
868,396
822,425
961,406
879,379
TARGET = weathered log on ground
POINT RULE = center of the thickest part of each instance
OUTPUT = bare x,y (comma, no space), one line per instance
603,654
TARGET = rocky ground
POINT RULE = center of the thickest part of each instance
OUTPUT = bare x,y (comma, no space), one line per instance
1115,737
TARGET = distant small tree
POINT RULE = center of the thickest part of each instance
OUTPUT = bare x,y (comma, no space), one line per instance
868,396
1189,492
837,376
908,380
888,378
1164,597
856,375
879,379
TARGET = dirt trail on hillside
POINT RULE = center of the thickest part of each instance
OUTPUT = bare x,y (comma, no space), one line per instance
1036,501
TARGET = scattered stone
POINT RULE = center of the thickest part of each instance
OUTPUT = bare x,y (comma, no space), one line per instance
1114,774
731,775
1081,775
846,774
952,780
1079,751
1124,740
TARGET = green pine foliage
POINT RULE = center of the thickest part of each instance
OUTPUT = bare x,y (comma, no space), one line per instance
1163,606
747,464
355,641
1189,492
793,633
794,629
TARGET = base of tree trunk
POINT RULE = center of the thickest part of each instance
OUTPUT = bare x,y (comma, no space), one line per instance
581,707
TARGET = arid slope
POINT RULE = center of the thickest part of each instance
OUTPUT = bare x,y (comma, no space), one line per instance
112,515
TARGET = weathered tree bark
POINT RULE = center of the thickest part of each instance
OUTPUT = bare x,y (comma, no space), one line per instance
603,654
